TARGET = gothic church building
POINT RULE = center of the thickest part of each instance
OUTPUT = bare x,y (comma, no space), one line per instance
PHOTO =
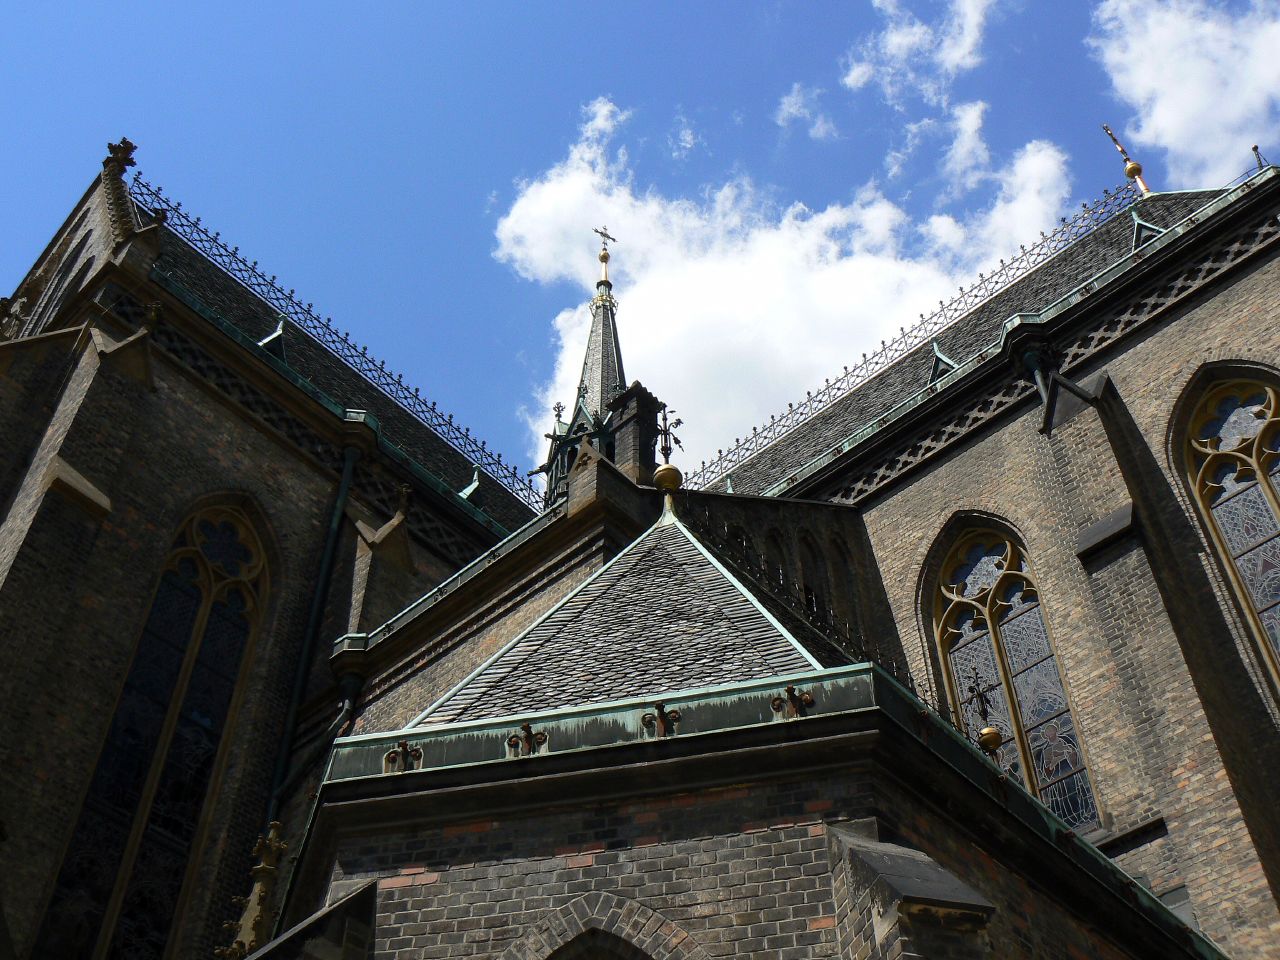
973,654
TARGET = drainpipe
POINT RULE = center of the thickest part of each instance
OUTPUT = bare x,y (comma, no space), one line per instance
350,686
314,616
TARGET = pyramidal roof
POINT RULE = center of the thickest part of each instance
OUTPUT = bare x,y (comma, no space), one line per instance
664,615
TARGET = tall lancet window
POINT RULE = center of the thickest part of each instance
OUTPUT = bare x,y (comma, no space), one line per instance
123,872
1002,672
1233,452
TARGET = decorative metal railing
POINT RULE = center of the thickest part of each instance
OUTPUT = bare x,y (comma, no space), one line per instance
303,316
988,285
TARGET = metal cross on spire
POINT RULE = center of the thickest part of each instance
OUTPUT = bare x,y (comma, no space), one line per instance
603,233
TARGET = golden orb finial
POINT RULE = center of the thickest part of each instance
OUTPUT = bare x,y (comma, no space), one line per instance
604,255
1133,169
989,739
667,477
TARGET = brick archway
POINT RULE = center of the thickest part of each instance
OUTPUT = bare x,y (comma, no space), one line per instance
631,927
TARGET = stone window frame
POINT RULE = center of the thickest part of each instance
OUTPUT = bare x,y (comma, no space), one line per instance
1200,461
214,582
941,604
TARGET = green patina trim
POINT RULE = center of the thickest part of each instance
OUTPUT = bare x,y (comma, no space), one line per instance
584,731
385,446
595,726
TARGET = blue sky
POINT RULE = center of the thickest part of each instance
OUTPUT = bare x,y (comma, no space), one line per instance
789,182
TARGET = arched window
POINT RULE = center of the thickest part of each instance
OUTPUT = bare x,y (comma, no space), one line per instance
1002,672
1233,454
123,871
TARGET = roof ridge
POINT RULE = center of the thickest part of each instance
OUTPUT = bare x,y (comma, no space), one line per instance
745,592
228,259
961,305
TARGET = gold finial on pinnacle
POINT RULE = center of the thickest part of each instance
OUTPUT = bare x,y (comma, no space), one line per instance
605,239
1132,168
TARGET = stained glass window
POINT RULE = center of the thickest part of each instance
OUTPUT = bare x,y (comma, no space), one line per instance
1233,451
122,875
1003,673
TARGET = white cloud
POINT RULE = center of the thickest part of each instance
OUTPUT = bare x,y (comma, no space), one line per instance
911,58
968,159
961,38
731,305
858,75
1202,79
800,104
915,132
683,138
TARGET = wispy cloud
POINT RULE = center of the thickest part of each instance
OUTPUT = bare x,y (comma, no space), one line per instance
1203,80
800,105
730,302
683,138
968,159
912,58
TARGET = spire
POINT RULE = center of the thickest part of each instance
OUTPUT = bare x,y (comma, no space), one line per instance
602,381
602,375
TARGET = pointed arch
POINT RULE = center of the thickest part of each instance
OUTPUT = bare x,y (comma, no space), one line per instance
1225,443
814,579
123,873
626,929
775,552
999,666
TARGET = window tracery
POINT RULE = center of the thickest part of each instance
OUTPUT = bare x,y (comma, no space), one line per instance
122,874
1233,459
1002,671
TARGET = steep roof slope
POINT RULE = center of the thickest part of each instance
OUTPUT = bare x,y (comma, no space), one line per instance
665,615
181,265
976,330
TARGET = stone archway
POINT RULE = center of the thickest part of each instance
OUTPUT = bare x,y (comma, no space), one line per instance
615,926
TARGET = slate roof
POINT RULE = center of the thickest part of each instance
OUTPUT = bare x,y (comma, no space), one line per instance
663,616
978,329
235,303
602,376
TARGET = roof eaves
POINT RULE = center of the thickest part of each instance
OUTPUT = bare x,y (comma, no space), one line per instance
278,365
469,572
1087,287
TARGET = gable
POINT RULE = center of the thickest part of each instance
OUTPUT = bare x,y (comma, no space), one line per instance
663,616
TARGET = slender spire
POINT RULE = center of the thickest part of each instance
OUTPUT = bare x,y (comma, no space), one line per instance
602,374
1132,168
602,380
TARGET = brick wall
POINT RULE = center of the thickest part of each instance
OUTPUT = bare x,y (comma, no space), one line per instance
1156,731
736,871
